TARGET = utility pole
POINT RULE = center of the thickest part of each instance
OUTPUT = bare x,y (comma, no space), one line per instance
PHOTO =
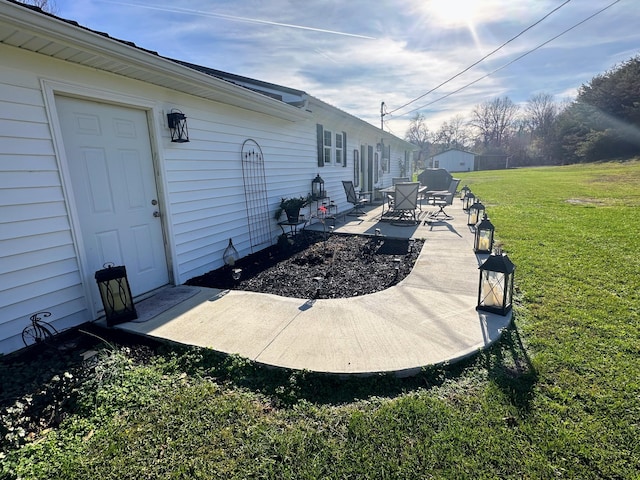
382,116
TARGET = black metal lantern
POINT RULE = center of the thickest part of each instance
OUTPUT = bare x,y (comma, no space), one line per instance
178,125
475,213
483,240
116,294
463,192
317,188
468,200
495,292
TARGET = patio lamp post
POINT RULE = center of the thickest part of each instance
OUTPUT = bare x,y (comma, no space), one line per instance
483,239
115,293
475,213
495,291
468,200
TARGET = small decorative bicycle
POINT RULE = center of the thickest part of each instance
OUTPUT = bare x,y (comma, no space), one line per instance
39,331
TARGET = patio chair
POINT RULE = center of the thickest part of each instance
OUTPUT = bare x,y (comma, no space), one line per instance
395,180
442,199
405,200
354,198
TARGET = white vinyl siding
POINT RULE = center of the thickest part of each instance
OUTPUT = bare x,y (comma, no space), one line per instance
200,183
39,266
205,186
201,187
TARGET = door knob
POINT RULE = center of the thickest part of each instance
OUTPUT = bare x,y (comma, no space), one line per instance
156,214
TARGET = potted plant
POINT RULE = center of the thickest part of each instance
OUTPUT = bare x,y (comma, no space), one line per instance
291,206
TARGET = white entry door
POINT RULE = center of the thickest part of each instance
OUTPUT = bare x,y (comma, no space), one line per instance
109,155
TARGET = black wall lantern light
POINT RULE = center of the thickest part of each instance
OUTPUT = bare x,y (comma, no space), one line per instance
483,240
468,200
495,292
317,188
178,125
475,213
115,294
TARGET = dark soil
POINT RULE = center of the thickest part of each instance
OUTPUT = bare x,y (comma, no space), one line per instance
315,265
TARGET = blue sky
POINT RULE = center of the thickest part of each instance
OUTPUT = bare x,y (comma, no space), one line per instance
356,54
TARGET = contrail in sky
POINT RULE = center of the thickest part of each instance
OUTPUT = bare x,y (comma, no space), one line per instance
237,19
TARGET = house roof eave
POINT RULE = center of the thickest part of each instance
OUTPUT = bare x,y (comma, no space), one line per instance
35,31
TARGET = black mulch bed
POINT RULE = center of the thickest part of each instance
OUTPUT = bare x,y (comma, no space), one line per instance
348,265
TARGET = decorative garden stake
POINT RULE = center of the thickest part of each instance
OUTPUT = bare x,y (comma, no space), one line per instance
318,282
396,265
483,240
475,213
116,294
236,273
495,292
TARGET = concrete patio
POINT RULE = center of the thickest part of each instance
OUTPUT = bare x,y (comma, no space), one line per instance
428,318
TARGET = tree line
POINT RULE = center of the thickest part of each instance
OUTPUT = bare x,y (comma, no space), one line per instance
602,122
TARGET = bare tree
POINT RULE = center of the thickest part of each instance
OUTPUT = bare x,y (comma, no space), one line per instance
494,119
540,113
418,134
48,6
453,133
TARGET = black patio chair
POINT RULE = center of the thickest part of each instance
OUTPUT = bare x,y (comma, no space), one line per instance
354,198
442,199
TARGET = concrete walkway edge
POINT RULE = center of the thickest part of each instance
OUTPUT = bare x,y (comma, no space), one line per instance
427,319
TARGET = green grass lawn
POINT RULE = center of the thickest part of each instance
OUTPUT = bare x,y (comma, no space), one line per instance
557,397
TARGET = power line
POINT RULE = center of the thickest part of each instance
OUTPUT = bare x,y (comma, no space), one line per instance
512,61
482,59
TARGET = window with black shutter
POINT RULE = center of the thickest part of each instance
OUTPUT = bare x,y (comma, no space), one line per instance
356,168
344,143
320,144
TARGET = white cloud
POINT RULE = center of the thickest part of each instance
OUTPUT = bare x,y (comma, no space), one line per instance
357,54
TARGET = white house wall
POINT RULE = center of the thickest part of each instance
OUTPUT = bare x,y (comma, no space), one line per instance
200,184
39,268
